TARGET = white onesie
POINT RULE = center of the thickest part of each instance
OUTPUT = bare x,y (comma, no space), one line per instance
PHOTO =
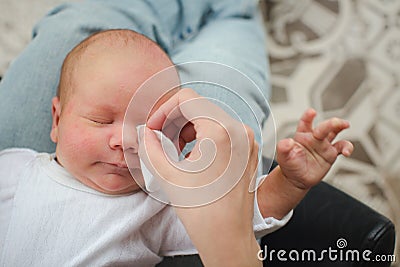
48,218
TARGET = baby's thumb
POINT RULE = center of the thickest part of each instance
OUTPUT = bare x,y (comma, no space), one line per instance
283,149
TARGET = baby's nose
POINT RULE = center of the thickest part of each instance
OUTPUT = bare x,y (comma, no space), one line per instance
130,141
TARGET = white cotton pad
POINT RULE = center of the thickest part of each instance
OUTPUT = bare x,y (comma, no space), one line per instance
169,149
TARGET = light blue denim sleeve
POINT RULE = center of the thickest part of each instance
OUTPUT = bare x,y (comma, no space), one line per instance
234,36
225,31
30,83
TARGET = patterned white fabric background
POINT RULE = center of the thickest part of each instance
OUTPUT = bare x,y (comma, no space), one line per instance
341,57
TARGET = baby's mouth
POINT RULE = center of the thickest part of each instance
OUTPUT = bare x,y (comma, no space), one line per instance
119,165
115,168
132,161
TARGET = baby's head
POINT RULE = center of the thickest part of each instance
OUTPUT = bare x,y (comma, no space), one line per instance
98,79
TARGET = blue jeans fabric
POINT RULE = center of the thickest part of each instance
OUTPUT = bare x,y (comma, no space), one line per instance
223,31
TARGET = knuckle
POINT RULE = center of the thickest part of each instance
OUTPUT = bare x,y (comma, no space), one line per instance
219,134
306,139
256,145
330,154
188,93
250,133
255,148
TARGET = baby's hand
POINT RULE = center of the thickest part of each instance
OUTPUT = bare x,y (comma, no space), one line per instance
305,159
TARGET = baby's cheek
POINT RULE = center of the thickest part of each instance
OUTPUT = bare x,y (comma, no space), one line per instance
78,140
91,144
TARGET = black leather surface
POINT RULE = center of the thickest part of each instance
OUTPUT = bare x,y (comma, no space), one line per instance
325,216
181,261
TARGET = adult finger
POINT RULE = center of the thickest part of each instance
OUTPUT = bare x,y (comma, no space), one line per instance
152,153
170,111
185,106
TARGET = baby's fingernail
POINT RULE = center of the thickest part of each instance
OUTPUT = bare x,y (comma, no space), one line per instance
336,122
311,111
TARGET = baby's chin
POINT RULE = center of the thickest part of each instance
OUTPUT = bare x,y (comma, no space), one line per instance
122,191
114,184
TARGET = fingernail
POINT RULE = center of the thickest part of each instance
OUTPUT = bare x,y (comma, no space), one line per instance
151,119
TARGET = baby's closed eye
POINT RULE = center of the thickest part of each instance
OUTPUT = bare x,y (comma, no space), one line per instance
99,120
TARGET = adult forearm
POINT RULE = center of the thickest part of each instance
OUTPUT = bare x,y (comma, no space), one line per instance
237,253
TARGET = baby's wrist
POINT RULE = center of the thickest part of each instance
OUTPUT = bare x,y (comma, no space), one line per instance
277,195
292,185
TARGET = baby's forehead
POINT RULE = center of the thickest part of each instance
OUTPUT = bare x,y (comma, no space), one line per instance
121,40
101,48
137,49
122,48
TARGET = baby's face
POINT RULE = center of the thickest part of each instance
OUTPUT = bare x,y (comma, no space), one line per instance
88,131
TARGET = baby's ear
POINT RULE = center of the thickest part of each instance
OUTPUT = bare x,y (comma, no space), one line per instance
55,113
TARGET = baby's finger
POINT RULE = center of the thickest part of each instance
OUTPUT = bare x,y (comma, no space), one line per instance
330,128
344,147
306,120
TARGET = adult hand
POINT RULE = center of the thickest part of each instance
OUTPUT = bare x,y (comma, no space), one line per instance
221,230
